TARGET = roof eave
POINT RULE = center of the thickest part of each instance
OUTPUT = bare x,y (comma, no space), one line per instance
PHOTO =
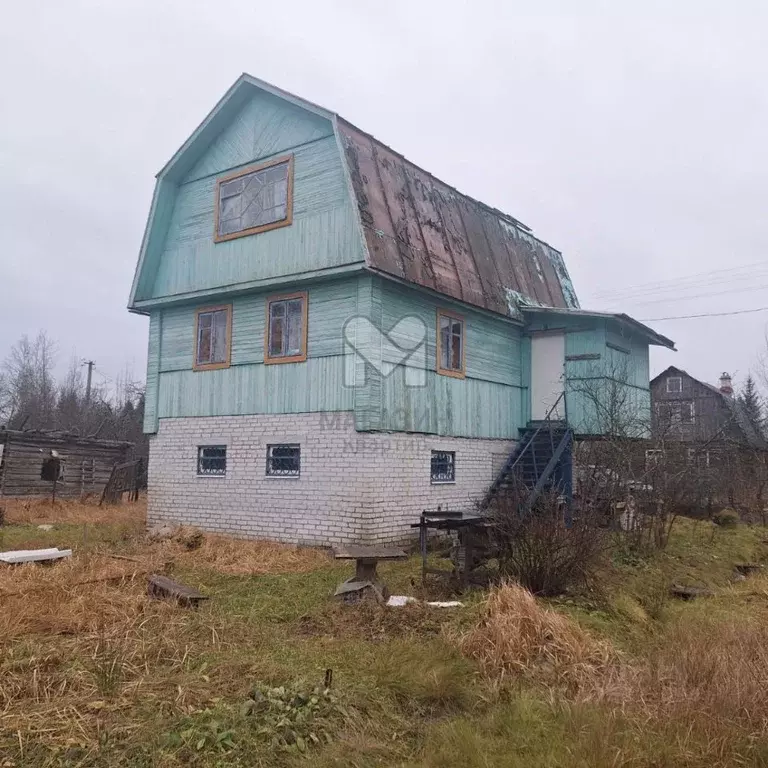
652,336
244,80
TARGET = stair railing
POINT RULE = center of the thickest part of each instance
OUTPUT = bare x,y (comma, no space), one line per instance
517,456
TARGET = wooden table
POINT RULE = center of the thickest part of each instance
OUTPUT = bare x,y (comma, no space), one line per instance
467,524
365,579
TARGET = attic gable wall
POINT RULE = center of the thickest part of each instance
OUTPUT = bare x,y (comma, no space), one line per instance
184,259
265,127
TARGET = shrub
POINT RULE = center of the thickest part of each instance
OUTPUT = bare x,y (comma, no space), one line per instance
540,549
727,518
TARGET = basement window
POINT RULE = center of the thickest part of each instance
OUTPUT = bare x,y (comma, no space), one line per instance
284,460
212,460
255,200
674,385
450,344
286,338
443,469
213,337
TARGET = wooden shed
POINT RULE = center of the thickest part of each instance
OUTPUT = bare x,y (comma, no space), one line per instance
82,465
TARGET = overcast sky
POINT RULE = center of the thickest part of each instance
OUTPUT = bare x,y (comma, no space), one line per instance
636,142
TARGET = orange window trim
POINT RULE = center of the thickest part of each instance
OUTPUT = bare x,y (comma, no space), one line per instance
286,222
302,356
457,373
212,366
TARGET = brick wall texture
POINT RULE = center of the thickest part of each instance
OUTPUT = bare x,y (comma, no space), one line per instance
354,487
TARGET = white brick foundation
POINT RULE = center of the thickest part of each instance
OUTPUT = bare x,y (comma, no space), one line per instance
354,486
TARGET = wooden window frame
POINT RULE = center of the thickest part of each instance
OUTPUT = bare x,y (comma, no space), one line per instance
302,356
286,222
212,366
456,374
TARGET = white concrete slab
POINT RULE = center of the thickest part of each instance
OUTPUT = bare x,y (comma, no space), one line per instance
33,555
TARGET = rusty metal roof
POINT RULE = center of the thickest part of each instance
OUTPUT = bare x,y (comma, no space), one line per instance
424,231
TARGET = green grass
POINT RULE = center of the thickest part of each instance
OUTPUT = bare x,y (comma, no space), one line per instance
174,690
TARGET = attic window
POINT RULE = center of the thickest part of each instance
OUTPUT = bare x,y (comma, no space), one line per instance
255,199
674,385
450,344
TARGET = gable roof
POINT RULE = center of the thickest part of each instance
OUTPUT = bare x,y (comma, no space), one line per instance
739,417
416,228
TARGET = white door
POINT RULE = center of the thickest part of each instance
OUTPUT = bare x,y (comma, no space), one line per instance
547,374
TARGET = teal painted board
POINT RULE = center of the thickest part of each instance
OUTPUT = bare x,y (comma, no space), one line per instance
331,303
153,373
487,403
364,368
159,220
324,232
607,389
314,385
449,406
492,349
265,126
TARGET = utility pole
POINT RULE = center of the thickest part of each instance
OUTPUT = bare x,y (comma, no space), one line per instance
90,365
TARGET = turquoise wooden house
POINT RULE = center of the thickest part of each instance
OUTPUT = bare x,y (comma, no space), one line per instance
339,340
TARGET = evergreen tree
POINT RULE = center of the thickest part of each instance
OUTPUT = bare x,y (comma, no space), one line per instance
753,405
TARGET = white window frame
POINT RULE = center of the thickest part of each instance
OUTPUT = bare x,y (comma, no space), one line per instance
679,380
441,481
200,449
282,475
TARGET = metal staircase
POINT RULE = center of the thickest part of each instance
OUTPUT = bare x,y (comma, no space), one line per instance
541,462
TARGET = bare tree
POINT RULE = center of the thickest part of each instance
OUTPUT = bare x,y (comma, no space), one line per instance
27,385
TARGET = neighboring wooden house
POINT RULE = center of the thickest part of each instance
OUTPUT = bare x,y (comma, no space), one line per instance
339,340
31,460
689,410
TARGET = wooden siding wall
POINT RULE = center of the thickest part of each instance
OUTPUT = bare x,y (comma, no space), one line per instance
712,419
619,379
325,233
248,386
602,362
87,467
487,403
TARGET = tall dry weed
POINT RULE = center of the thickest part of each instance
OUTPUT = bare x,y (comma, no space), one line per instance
517,635
36,511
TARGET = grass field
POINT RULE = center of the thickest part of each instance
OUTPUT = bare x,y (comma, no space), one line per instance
92,673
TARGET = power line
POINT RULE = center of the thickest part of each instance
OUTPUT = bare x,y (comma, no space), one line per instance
698,280
727,292
704,314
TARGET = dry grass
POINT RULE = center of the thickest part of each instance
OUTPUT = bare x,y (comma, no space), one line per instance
36,511
711,673
517,635
237,557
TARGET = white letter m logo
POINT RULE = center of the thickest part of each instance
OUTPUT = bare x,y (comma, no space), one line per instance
405,345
